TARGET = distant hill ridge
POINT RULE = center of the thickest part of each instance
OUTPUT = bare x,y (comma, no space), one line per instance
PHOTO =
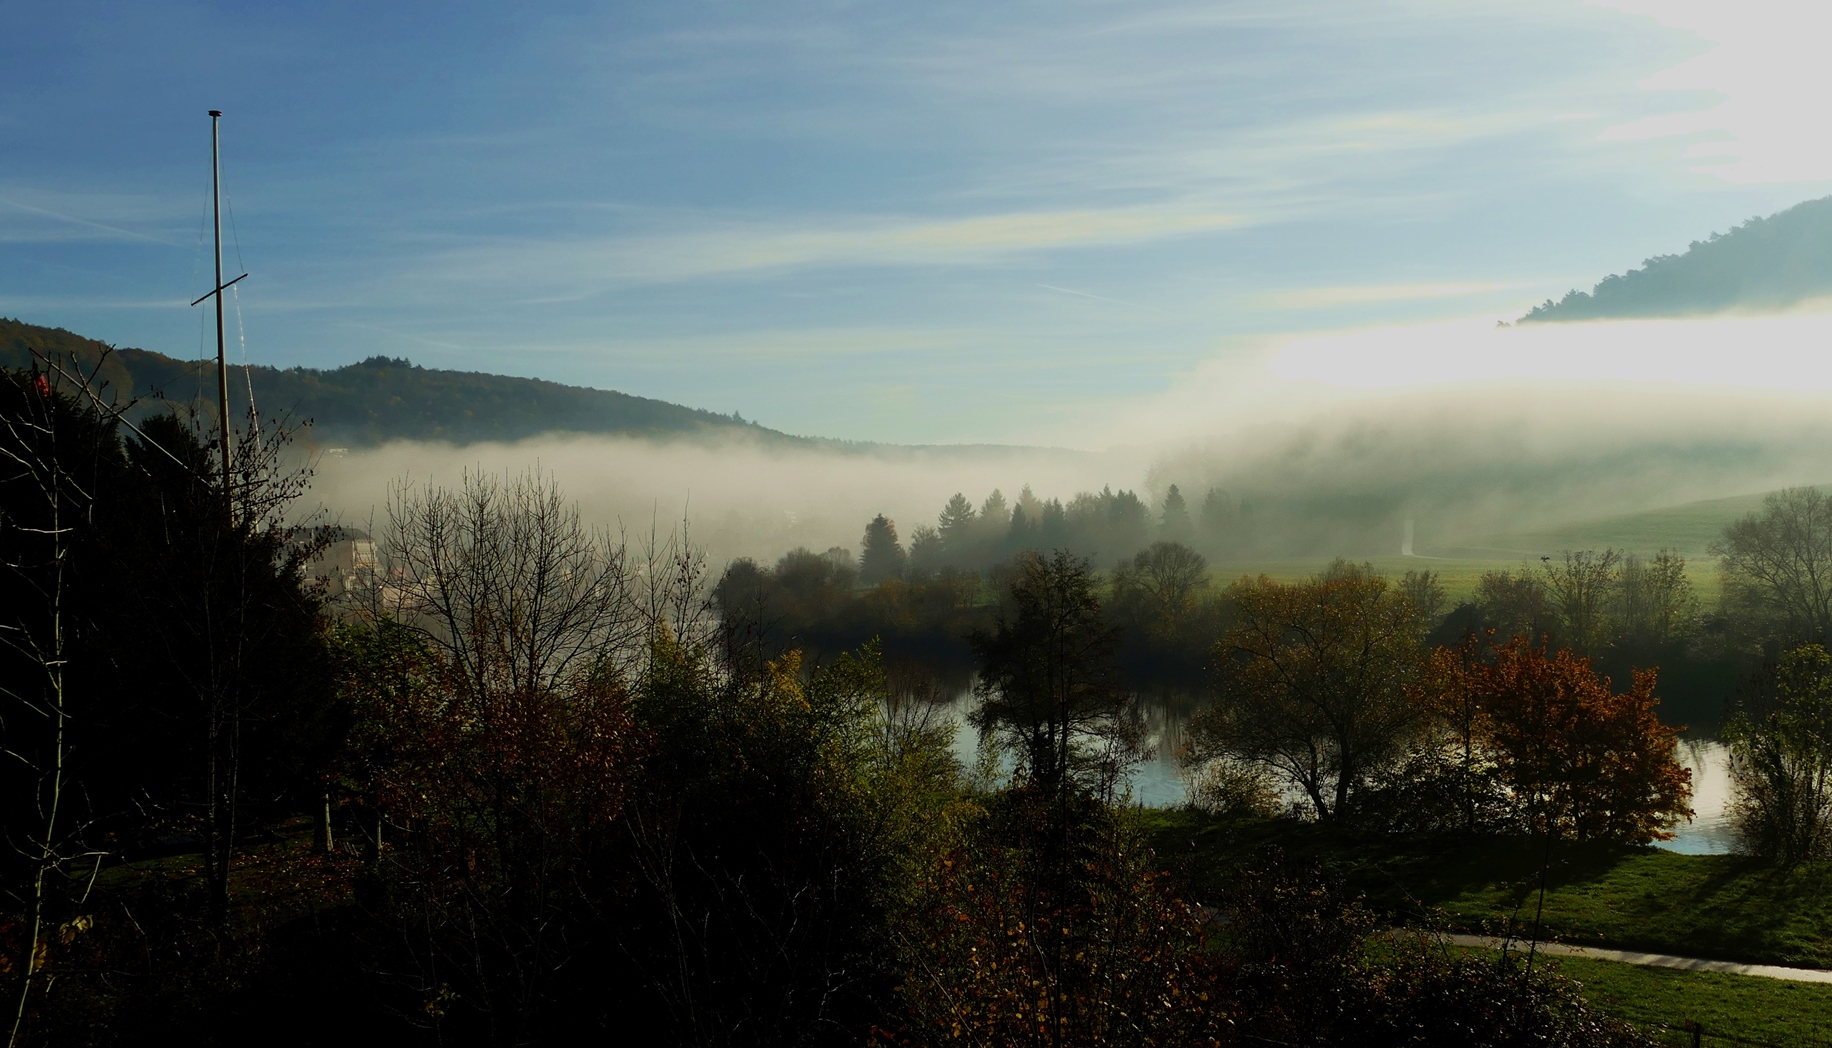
1764,263
382,399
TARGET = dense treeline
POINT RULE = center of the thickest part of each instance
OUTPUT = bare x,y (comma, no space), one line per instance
1623,611
923,601
1104,524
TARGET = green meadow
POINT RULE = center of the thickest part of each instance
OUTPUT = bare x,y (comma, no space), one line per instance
1750,1008
1688,529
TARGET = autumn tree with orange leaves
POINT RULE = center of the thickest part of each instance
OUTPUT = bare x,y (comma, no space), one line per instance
1578,758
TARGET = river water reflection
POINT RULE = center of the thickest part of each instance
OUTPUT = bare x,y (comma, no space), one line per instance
1157,782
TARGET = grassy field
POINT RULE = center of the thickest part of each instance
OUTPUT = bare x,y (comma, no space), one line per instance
1688,528
1743,1006
1715,906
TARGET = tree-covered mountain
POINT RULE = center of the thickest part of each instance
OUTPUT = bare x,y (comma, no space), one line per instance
1763,263
378,399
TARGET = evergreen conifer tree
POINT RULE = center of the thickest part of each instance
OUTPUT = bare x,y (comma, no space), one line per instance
1175,523
882,557
957,519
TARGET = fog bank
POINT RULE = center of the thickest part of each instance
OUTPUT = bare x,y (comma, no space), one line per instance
740,497
1328,442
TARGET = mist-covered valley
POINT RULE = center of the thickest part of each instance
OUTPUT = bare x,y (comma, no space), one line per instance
1461,463
792,525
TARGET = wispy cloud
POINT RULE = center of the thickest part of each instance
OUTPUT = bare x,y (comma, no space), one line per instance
740,247
68,221
770,345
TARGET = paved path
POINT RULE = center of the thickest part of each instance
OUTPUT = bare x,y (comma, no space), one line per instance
1655,960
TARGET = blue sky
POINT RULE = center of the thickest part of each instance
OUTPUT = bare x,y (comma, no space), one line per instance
943,222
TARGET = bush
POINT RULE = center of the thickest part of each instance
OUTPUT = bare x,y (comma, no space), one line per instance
1781,761
1015,948
1307,969
1228,788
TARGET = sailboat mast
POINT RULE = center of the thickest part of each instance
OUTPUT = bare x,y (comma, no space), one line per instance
222,363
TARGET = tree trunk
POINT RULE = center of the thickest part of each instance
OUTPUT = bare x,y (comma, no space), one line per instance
322,840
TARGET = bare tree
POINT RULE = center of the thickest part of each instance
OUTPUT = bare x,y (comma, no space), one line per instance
521,627
44,432
1582,585
1514,603
1656,600
1425,589
504,578
1777,564
1169,574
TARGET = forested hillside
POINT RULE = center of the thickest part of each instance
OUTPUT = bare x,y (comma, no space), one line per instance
381,398
1765,262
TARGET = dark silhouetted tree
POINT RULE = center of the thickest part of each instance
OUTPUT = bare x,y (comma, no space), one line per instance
1777,566
1024,530
1218,515
1514,604
1426,592
1582,587
995,515
1168,577
927,552
1174,523
957,520
882,555
1048,686
1656,605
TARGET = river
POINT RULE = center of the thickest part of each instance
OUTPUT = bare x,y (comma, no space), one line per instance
1158,782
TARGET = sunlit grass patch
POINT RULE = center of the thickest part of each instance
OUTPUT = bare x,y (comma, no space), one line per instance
1721,907
1747,1006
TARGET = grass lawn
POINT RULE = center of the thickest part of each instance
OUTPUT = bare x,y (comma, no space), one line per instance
1690,529
1745,1006
1716,906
